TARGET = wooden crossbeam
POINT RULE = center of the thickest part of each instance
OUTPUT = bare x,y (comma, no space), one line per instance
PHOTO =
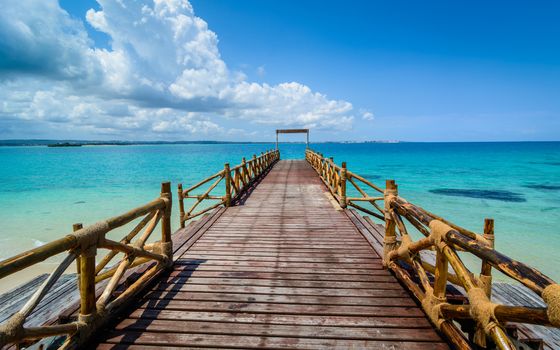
293,131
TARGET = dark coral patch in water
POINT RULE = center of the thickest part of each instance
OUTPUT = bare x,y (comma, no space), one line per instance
499,195
543,187
547,163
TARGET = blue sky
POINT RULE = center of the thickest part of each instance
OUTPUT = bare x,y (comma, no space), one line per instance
352,70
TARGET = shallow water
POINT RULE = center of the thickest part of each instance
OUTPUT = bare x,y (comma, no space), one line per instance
43,191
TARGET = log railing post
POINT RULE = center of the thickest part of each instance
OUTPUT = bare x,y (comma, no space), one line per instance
244,170
181,205
75,228
266,159
331,172
440,275
343,185
322,166
486,268
328,172
227,173
255,167
390,240
166,221
87,284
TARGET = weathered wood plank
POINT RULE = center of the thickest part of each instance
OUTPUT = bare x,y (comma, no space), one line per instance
339,332
280,266
211,340
391,285
277,275
403,300
285,319
189,287
302,259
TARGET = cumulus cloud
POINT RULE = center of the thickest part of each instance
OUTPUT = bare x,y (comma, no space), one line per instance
162,74
39,37
366,115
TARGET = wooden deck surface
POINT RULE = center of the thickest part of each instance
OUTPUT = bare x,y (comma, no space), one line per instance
284,269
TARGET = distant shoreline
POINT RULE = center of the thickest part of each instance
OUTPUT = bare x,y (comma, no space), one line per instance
71,143
75,143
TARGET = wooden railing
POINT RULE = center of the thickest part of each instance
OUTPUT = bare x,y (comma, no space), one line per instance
430,277
102,293
336,178
236,181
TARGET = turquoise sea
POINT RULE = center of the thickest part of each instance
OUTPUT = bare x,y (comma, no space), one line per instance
43,191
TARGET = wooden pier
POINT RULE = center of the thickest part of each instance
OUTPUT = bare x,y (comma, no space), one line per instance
280,260
283,270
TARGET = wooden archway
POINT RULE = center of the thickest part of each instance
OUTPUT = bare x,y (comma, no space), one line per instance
293,131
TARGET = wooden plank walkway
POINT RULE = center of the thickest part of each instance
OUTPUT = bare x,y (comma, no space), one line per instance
284,269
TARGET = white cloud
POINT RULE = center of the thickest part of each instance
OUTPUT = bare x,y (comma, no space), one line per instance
366,115
162,75
38,37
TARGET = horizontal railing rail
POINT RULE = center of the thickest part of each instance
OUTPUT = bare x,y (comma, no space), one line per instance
428,277
236,181
101,290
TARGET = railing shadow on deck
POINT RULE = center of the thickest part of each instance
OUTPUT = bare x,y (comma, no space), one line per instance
156,301
429,266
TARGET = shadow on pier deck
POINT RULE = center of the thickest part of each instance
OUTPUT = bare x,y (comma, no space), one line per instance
285,269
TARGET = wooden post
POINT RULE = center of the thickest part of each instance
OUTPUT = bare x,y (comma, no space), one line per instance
331,173
255,166
87,282
323,168
479,336
390,240
440,281
307,140
265,159
343,185
166,218
244,170
75,228
277,139
486,268
166,242
227,174
181,205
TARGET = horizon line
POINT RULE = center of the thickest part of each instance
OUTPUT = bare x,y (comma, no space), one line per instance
46,141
